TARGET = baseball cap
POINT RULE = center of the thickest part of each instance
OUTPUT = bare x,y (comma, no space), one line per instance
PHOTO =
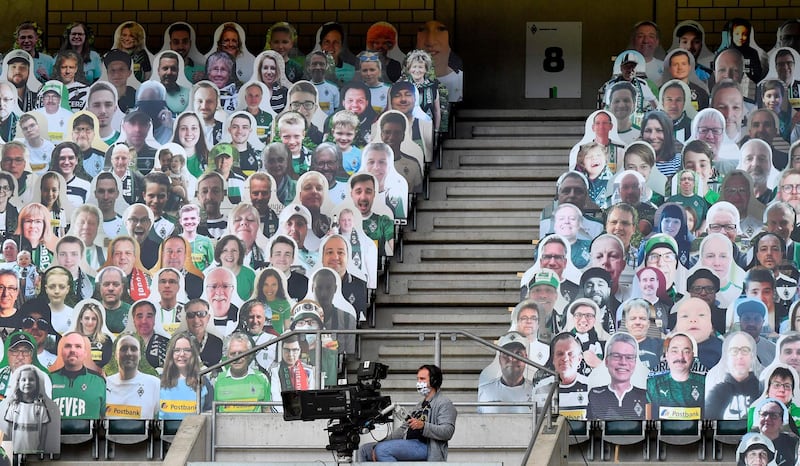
702,272
595,272
745,305
512,339
295,209
18,55
116,55
136,115
222,149
399,86
53,86
307,309
628,58
83,118
544,277
19,339
688,28
661,240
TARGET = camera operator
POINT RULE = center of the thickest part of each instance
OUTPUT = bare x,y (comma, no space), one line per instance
424,435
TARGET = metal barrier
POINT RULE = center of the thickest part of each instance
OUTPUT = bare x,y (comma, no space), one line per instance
549,408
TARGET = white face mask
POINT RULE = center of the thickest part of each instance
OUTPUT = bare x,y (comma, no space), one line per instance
423,388
310,337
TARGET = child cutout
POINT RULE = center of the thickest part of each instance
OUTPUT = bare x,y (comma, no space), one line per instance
592,161
291,129
344,125
51,192
28,415
29,277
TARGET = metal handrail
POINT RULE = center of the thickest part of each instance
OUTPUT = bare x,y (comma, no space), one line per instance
437,334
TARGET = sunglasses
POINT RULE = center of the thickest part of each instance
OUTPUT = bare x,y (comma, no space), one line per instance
193,314
29,322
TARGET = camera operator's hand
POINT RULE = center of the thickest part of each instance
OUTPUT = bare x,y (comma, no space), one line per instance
416,424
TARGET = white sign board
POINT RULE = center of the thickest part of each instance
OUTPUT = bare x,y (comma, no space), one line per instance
553,60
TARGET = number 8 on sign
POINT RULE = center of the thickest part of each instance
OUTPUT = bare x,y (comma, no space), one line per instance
553,59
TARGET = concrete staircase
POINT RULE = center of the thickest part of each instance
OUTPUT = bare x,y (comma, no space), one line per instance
473,235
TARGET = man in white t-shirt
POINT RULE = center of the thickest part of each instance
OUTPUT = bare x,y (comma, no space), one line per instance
130,393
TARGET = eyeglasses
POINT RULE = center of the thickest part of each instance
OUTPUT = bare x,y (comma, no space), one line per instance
553,257
584,315
528,319
702,289
135,220
790,188
785,386
740,350
193,314
717,227
617,357
10,289
20,351
5,189
736,190
29,322
705,131
770,415
306,105
666,257
218,287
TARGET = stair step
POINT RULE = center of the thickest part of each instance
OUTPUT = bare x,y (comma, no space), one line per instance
517,191
546,173
447,299
500,236
528,130
511,266
577,115
467,286
450,350
468,320
532,161
552,142
483,222
450,365
472,254
526,206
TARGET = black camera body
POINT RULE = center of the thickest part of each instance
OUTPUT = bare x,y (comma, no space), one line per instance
351,409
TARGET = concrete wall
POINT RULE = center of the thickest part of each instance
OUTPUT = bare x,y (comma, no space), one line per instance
501,438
